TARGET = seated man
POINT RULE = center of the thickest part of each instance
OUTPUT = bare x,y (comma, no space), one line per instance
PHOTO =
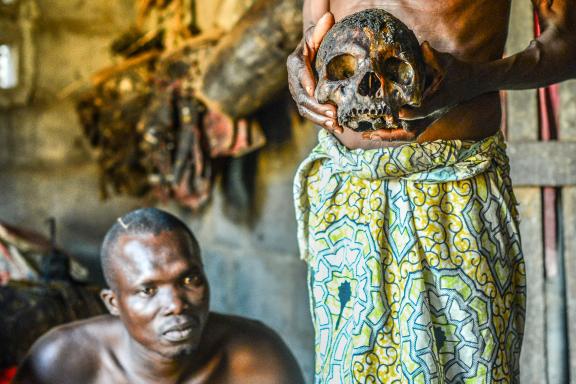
160,329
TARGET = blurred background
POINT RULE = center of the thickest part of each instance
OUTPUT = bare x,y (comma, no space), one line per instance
106,106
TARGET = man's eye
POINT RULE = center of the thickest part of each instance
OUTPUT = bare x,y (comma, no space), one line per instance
192,281
147,291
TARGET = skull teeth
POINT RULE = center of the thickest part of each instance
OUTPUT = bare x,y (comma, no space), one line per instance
378,115
375,109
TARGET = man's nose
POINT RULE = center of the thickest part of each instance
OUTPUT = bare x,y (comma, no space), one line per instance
175,301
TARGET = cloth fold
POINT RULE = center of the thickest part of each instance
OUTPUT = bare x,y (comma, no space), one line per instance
416,273
432,162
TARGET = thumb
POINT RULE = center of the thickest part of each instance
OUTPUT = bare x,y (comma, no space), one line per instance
322,27
430,56
433,67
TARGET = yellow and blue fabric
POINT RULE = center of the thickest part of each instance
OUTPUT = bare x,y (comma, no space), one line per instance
416,273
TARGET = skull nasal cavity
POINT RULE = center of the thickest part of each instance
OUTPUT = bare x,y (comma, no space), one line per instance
369,85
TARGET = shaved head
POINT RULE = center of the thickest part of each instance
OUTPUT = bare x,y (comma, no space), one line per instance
139,222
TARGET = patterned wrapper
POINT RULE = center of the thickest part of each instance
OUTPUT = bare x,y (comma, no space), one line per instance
416,273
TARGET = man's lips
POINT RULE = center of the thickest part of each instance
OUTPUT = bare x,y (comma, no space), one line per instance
181,331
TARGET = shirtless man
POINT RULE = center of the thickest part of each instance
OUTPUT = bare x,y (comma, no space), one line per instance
160,329
416,271
462,43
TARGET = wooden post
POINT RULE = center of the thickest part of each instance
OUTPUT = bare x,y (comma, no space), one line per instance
523,126
568,133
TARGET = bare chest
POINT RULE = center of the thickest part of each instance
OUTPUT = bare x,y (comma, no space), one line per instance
469,29
113,371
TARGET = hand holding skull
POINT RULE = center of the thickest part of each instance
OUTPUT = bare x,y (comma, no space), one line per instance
451,82
371,77
301,79
370,65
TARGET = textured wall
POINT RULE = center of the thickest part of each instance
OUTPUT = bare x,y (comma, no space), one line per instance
46,169
255,270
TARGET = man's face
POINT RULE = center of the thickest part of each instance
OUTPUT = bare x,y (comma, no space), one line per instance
161,292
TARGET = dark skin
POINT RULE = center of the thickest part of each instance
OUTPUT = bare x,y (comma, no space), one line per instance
160,329
462,43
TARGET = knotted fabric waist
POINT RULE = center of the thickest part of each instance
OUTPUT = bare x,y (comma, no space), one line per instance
431,162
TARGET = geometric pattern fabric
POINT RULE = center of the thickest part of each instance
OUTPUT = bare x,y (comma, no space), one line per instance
416,273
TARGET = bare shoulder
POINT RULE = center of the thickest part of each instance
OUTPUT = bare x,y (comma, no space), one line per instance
253,347
66,354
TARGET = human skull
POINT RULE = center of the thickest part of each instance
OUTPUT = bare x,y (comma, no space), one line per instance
370,65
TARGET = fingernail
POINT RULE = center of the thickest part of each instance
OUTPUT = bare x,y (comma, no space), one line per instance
329,123
309,90
329,113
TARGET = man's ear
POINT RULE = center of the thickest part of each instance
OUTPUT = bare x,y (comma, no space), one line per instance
109,298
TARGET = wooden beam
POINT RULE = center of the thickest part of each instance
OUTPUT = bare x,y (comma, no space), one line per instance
533,358
248,66
551,163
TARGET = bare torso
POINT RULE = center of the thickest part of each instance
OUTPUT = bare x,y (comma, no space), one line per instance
94,351
472,31
111,362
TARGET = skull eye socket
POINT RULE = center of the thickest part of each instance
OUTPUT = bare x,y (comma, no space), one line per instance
341,67
398,71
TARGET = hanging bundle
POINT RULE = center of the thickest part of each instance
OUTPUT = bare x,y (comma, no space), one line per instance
147,116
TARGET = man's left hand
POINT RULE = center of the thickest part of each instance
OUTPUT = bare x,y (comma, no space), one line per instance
451,82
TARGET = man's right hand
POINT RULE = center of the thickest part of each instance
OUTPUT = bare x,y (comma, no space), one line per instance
301,77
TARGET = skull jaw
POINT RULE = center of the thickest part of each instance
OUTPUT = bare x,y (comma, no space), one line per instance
384,125
369,117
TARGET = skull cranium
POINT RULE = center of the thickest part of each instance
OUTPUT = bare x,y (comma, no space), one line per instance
370,65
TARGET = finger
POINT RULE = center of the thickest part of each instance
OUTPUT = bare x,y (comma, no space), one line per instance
431,58
318,119
328,111
300,75
407,113
387,135
307,77
333,127
305,102
417,126
322,27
